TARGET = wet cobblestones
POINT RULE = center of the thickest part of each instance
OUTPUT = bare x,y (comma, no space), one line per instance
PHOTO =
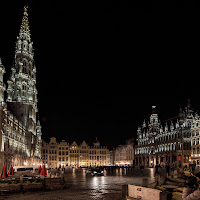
86,187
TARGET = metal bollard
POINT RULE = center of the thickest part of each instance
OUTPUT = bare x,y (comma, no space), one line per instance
21,182
124,192
145,182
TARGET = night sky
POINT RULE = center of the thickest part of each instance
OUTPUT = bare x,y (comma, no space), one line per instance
88,57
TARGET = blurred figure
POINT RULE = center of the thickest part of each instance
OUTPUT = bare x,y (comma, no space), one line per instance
191,190
142,169
167,167
157,169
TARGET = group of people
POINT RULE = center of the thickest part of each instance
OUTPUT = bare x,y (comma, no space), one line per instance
157,167
191,190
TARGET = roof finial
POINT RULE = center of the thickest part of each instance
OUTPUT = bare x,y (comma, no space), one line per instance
0,61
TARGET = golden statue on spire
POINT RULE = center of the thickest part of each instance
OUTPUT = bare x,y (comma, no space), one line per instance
25,10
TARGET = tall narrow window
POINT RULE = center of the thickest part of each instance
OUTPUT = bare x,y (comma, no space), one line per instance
197,141
24,67
30,69
197,132
23,90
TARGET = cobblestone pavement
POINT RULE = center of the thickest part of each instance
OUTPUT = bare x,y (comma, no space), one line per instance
82,186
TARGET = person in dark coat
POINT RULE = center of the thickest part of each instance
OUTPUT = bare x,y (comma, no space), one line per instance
167,167
191,190
156,169
142,169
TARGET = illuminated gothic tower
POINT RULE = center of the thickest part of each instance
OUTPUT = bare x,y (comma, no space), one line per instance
21,91
2,85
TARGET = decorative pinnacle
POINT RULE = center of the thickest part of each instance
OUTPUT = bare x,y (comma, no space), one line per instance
25,10
24,29
0,61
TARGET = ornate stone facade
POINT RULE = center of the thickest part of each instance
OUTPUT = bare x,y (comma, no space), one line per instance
195,144
170,143
124,154
20,132
57,154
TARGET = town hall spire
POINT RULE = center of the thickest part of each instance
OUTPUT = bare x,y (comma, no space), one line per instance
24,29
22,92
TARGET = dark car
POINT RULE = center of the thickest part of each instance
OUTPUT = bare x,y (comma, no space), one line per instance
97,171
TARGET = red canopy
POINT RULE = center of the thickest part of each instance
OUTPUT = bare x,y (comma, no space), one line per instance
44,171
39,170
3,173
10,171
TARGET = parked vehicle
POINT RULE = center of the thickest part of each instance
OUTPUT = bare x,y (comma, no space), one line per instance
97,171
24,170
88,170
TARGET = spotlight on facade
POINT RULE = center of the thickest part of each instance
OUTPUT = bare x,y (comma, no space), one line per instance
25,163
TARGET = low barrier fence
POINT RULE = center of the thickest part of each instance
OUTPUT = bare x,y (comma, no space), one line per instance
25,183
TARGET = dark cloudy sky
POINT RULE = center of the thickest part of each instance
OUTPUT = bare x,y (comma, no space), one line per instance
100,69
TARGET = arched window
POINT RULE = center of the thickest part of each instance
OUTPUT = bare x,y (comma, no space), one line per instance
30,68
197,132
24,70
193,142
197,141
193,133
24,45
197,150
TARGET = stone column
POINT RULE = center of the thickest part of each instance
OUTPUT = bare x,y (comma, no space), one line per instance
145,163
154,159
149,160
159,159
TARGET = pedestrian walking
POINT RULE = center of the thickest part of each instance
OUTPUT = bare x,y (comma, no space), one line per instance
156,169
142,169
157,174
167,167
